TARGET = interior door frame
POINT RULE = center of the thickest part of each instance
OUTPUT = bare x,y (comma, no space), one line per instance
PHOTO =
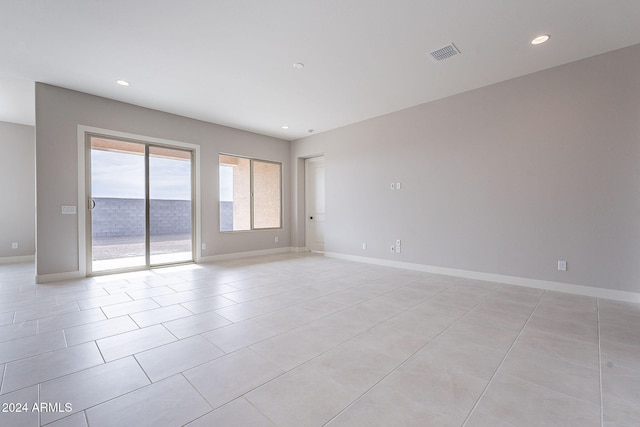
84,145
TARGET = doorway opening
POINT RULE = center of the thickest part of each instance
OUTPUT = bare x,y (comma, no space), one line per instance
140,204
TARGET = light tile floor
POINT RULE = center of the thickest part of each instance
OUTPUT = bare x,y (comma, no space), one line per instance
303,340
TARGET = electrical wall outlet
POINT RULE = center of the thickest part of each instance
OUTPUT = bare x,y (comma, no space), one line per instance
14,245
393,249
398,186
276,239
204,246
562,265
364,246
398,242
393,185
398,249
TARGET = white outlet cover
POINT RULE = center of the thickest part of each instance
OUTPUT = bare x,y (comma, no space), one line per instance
276,239
364,246
398,249
393,185
204,246
398,242
393,248
562,265
397,185
14,245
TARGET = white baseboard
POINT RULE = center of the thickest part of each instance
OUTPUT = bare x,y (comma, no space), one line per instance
590,291
240,255
17,259
56,277
299,249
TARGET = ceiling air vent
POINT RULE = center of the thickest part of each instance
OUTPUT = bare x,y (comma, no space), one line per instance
444,52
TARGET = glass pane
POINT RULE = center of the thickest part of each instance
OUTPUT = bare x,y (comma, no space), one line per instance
235,193
118,190
267,204
170,210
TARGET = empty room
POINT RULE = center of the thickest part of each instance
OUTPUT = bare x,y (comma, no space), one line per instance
319,213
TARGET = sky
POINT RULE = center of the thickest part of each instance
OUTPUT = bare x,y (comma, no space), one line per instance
226,183
122,176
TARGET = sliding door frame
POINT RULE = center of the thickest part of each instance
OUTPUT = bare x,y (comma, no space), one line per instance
85,133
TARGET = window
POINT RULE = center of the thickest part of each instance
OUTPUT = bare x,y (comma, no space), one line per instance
250,194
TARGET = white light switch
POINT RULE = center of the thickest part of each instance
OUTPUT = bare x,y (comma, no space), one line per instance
69,210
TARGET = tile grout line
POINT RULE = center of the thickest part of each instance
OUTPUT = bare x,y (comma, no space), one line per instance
138,325
168,330
199,393
600,365
99,351
142,369
503,360
256,408
103,313
4,373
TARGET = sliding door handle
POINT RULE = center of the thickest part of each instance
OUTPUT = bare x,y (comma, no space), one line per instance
92,204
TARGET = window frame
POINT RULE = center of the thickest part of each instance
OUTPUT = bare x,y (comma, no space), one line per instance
252,195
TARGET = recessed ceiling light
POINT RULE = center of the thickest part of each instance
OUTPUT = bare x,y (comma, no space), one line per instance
122,82
541,39
285,126
298,65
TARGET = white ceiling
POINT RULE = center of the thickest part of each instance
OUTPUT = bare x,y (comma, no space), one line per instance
230,61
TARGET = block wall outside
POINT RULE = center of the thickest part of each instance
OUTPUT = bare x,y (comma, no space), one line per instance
226,216
113,217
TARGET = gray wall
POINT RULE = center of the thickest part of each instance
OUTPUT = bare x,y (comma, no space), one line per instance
507,179
58,114
17,189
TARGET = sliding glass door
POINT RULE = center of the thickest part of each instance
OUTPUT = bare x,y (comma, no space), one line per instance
140,205
170,213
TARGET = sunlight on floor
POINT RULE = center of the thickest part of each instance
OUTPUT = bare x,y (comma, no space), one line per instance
139,261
